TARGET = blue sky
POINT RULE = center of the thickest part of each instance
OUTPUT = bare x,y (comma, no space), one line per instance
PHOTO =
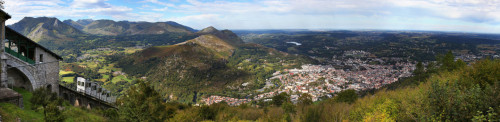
441,15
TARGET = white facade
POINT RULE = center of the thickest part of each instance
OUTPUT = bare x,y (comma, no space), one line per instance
80,84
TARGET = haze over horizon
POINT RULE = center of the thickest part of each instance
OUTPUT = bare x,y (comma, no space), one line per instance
481,16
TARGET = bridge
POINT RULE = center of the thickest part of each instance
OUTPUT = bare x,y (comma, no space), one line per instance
81,99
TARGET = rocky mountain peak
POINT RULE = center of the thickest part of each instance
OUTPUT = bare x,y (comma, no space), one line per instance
208,30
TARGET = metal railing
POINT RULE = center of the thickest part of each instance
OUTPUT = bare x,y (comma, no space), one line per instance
18,55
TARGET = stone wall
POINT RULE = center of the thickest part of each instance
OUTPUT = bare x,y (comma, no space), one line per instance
23,67
83,100
10,96
44,74
3,75
48,69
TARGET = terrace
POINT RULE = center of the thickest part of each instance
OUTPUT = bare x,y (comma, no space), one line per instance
22,47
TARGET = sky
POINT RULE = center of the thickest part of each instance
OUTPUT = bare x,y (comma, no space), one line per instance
481,16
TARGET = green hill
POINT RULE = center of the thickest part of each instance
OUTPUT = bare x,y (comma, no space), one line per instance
448,91
213,63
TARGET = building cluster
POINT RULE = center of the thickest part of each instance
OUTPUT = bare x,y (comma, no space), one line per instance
325,80
472,57
355,69
93,89
230,101
356,53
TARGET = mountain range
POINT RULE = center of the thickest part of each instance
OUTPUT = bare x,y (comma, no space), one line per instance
49,28
45,28
110,27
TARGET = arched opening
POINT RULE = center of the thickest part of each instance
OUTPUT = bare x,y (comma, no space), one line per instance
89,106
16,78
77,102
66,96
49,87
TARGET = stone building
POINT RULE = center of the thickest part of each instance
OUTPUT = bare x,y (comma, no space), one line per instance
28,65
24,63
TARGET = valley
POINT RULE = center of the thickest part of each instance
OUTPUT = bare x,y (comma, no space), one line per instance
250,61
211,66
208,69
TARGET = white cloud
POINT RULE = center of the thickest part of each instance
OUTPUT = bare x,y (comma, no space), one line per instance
478,11
90,4
198,21
63,9
160,9
367,14
159,3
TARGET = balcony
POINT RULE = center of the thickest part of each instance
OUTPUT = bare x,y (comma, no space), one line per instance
18,55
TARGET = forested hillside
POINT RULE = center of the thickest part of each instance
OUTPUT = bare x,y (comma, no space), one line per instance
216,62
418,46
449,91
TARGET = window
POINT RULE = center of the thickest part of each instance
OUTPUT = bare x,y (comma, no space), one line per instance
41,57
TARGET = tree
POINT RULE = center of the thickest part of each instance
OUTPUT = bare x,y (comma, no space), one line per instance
460,63
305,99
431,68
419,69
419,72
348,96
288,107
52,112
281,98
142,103
447,61
210,112
313,114
43,97
207,113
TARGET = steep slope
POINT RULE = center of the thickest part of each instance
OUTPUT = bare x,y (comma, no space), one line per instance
84,22
226,35
204,47
213,63
45,28
106,27
110,27
80,24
